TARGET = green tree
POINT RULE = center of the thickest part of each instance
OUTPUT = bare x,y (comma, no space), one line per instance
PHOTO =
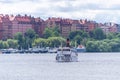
12,43
99,34
1,44
5,45
92,46
51,32
78,39
56,32
19,37
56,41
104,47
91,34
118,35
110,36
30,35
115,45
40,42
81,33
98,46
47,32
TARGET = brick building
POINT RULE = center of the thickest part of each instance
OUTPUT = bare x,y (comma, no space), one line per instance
68,25
64,25
53,22
38,25
10,25
74,27
109,27
20,24
1,29
5,27
83,25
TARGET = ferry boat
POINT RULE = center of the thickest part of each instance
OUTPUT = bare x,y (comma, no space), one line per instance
65,54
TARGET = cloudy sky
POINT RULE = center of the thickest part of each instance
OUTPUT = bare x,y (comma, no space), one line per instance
97,10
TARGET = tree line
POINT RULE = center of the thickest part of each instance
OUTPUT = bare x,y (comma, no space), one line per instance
94,41
30,39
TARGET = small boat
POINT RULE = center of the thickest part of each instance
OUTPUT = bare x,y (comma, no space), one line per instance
8,51
43,50
80,48
54,50
65,54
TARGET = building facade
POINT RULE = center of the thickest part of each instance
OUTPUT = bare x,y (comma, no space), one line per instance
10,25
64,25
109,27
20,24
38,25
5,27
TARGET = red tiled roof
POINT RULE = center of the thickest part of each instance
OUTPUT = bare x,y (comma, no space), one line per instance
67,21
75,21
38,20
22,19
54,19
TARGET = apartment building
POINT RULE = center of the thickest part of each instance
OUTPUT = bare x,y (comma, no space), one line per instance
109,27
75,24
1,27
85,25
5,27
10,25
20,24
64,25
38,25
68,25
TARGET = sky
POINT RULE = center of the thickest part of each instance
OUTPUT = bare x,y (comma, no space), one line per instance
96,10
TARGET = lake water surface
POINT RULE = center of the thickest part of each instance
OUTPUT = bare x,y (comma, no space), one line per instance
91,66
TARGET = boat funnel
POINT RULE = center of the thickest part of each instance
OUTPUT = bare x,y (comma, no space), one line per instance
67,42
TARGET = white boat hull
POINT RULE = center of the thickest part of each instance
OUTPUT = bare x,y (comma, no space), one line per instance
72,57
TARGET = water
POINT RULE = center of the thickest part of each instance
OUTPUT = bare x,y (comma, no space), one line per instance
91,66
